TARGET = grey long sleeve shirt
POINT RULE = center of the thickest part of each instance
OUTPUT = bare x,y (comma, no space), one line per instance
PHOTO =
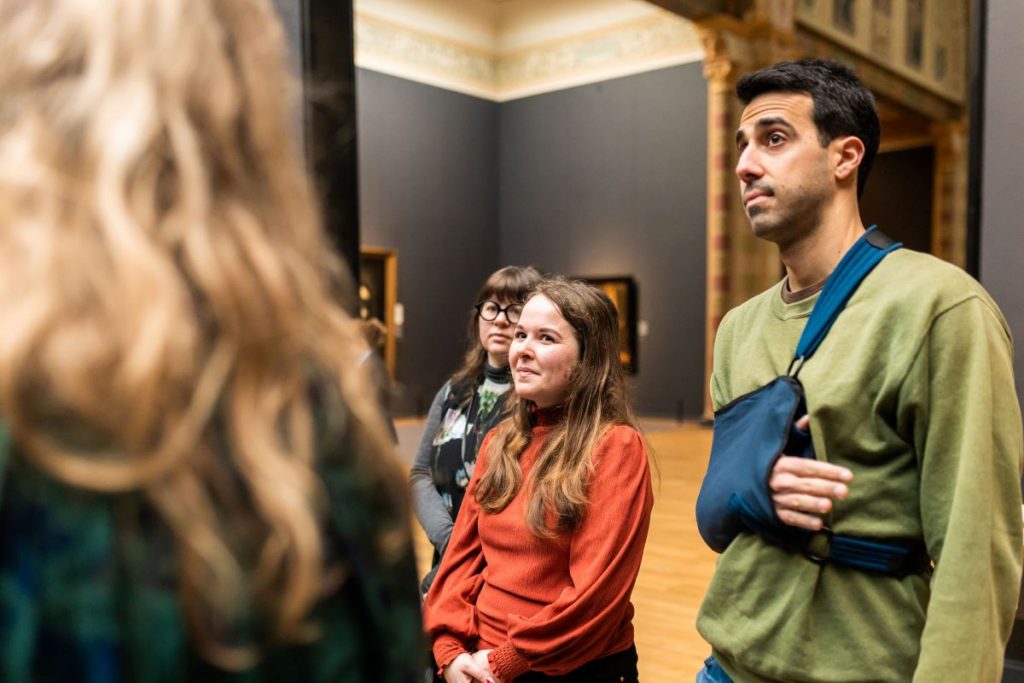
430,510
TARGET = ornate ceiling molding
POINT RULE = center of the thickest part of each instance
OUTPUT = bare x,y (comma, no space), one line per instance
414,54
634,47
922,42
654,40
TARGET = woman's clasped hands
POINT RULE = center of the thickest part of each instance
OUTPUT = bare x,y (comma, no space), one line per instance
470,668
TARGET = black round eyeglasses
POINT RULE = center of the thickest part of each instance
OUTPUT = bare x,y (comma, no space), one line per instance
490,310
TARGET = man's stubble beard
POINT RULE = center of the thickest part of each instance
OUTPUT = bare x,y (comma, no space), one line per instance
789,220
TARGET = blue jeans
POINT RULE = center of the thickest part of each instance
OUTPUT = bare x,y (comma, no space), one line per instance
712,672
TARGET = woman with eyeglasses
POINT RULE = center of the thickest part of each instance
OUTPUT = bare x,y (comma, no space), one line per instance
537,579
467,407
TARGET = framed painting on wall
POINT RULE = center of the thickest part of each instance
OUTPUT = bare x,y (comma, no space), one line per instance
914,56
378,293
622,291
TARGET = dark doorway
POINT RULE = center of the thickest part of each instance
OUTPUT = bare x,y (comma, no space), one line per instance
323,53
898,196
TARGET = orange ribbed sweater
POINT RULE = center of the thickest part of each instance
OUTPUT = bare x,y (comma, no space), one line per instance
547,605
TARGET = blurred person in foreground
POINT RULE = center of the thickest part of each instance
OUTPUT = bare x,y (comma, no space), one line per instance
194,484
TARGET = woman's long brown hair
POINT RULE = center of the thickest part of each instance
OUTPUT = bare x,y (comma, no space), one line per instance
598,399
166,292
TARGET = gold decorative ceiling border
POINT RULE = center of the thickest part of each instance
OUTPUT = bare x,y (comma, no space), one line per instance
416,55
627,48
633,47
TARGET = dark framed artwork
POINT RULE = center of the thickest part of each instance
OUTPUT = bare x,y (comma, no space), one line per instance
622,291
378,285
881,28
939,65
915,34
843,15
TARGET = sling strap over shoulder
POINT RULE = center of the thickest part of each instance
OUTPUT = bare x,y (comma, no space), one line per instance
866,253
754,430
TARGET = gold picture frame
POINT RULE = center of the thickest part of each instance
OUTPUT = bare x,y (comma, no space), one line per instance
378,294
622,291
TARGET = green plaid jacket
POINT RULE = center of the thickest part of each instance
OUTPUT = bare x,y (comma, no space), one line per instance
88,592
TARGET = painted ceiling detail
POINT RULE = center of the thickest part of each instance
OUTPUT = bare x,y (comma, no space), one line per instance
419,56
924,42
641,45
530,48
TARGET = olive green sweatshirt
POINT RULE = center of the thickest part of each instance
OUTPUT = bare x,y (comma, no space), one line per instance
912,390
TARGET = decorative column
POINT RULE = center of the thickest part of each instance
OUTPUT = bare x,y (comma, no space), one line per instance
720,73
739,265
949,197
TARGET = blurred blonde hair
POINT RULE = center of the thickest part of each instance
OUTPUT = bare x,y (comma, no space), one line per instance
166,293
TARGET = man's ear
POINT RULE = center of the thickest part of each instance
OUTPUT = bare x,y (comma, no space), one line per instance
849,152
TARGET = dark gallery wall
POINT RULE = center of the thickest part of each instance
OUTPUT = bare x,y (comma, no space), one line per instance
321,54
428,175
599,180
1002,241
608,180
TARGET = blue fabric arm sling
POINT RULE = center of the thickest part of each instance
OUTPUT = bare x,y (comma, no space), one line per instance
754,430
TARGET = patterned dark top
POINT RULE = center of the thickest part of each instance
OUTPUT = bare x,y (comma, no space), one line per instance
88,591
459,417
464,424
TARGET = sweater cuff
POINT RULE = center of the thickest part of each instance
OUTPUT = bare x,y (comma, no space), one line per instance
446,649
506,662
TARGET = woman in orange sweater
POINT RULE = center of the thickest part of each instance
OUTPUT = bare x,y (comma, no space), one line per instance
536,581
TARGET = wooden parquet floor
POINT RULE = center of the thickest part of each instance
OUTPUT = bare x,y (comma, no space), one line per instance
677,566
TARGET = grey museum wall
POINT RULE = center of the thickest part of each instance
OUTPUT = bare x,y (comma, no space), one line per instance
428,175
609,179
598,180
1002,236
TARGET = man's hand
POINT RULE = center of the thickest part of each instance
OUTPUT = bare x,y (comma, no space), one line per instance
803,489
464,669
480,657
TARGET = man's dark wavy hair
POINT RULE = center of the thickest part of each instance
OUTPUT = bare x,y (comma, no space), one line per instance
842,105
